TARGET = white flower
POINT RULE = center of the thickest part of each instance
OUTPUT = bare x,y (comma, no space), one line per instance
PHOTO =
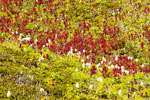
78,56
127,72
88,64
122,67
102,62
56,36
141,83
128,82
142,65
27,39
83,65
100,79
104,59
42,58
136,60
87,57
8,94
36,40
82,60
109,63
75,50
109,67
112,66
101,69
49,41
91,86
21,72
71,50
79,53
16,32
39,60
134,93
117,66
76,70
77,85
24,49
46,44
42,90
119,93
98,65
68,53
84,51
116,58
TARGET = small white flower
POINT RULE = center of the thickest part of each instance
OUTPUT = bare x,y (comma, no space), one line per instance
71,50
116,58
122,67
119,93
134,93
45,93
46,44
102,62
8,94
82,60
21,72
88,64
122,70
136,60
75,50
109,63
24,49
127,72
36,40
87,57
26,39
76,70
142,65
77,85
42,90
49,41
79,56
79,53
109,67
97,65
141,83
42,58
112,66
39,60
84,51
91,86
100,79
68,53
83,65
104,59
101,69
117,66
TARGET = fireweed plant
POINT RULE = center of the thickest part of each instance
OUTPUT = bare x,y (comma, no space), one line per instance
87,49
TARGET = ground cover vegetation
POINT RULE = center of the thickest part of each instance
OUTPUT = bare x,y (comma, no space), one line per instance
74,49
